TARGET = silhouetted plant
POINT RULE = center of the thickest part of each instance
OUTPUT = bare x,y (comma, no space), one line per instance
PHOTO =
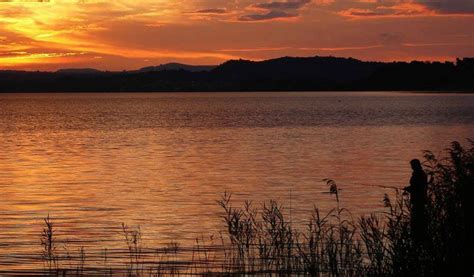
48,242
133,239
373,235
449,244
82,261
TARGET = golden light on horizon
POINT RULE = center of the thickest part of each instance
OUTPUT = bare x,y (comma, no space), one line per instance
130,34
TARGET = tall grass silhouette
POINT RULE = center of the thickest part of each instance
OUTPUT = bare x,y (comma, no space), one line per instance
262,240
48,243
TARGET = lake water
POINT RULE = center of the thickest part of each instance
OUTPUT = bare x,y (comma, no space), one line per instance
160,161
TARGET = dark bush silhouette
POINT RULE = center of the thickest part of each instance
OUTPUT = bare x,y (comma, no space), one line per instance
450,248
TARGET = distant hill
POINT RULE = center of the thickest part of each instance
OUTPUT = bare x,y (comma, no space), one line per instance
161,67
322,69
282,74
78,71
178,66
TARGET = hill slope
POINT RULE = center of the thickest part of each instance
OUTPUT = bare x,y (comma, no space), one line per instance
282,74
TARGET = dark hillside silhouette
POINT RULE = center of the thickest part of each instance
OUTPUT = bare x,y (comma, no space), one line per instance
282,74
177,66
78,71
322,69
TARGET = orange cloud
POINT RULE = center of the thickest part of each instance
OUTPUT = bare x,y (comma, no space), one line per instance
21,58
403,8
397,10
323,49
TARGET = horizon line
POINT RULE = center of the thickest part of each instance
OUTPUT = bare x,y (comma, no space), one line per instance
453,60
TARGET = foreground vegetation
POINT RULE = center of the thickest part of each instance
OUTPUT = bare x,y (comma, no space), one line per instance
264,242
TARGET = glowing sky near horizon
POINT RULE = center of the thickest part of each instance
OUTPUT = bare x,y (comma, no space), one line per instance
126,34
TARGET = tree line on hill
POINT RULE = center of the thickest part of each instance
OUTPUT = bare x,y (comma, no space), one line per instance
282,74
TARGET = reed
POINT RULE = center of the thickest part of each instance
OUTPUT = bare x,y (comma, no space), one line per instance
48,243
133,240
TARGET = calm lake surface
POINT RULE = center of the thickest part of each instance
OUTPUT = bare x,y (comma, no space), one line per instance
160,161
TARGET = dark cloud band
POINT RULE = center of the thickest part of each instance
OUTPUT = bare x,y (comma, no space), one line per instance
276,10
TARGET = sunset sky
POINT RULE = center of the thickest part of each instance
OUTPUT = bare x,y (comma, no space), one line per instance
129,34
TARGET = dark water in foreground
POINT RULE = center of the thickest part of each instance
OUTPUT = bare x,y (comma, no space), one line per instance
160,161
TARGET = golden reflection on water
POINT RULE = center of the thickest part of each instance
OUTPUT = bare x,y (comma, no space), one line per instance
162,161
